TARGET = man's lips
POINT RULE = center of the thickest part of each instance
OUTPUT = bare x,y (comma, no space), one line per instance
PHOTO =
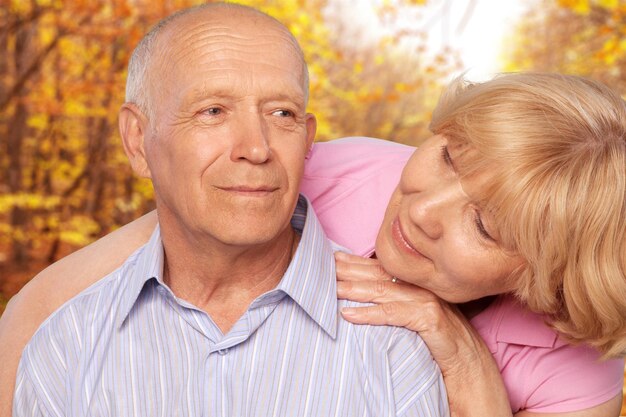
247,190
402,242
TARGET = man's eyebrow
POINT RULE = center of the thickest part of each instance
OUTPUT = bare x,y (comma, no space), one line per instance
194,96
201,94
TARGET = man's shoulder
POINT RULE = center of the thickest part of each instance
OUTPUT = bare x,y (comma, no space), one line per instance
413,371
387,338
86,310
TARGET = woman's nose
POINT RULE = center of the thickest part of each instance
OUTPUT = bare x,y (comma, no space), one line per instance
432,210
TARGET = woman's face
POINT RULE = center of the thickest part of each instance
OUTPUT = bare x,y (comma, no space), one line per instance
435,236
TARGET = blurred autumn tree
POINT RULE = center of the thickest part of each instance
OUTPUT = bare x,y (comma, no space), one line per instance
64,179
584,37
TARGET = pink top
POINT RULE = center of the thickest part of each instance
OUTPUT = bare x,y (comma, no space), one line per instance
349,182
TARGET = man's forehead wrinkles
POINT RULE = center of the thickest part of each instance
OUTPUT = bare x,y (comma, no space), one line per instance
223,87
211,33
216,46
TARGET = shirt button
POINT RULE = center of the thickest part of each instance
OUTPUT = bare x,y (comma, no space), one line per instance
223,351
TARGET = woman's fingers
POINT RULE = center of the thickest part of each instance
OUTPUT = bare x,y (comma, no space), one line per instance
356,268
392,314
376,291
398,304
445,332
382,292
356,259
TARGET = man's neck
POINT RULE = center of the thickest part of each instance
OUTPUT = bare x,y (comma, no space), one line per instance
220,279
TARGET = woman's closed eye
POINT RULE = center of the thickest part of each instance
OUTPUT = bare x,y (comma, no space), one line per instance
481,227
445,155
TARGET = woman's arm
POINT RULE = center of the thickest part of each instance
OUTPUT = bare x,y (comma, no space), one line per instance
54,286
473,381
472,378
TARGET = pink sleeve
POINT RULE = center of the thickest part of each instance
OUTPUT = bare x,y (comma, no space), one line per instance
542,372
349,182
571,378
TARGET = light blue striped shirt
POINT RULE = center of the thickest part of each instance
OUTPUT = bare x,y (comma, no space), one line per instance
127,346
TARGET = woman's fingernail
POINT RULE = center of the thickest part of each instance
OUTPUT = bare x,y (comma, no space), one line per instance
340,255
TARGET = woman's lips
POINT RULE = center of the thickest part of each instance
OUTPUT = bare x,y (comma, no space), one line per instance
401,241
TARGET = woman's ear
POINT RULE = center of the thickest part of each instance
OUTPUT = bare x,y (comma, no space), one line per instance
133,126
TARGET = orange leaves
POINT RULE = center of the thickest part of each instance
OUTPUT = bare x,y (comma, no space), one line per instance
64,156
74,180
585,37
578,6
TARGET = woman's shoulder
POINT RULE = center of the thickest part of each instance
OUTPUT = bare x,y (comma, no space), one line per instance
506,320
349,182
542,371
354,157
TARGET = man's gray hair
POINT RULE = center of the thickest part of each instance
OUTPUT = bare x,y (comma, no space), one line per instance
141,58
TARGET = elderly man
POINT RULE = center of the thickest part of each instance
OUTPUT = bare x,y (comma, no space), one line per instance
230,308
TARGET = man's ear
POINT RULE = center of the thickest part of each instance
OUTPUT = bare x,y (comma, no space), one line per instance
133,130
311,129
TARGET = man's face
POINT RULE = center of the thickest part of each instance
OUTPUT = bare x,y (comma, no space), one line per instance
226,148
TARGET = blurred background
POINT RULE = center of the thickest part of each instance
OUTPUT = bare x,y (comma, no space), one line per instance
377,68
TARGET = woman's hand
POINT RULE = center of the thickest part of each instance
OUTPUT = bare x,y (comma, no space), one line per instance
473,381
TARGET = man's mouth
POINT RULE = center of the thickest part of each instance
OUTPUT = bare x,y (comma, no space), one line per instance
249,190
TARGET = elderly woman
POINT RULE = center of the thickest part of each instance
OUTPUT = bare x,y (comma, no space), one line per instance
514,211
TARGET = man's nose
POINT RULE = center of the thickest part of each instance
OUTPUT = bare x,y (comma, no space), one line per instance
431,210
251,140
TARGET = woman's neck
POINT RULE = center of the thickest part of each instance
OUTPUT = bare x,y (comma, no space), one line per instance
472,308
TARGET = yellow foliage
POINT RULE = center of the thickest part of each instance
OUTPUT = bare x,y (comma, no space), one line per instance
79,230
74,237
578,37
53,221
144,187
609,4
75,107
70,174
28,201
38,121
47,35
19,7
579,6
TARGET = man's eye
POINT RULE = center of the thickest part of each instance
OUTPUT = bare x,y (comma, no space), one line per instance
283,113
213,111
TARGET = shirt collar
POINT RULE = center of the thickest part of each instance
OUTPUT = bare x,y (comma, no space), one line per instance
507,321
310,279
520,326
145,265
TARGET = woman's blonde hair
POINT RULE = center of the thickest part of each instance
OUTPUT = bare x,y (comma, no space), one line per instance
555,150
